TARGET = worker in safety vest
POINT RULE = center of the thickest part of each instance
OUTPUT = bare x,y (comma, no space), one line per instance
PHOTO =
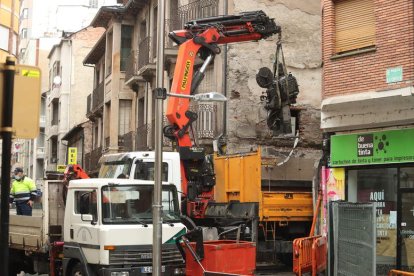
23,192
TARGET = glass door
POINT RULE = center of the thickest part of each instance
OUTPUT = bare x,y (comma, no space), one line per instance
405,244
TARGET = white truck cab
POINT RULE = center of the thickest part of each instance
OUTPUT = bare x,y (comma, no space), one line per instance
108,228
140,165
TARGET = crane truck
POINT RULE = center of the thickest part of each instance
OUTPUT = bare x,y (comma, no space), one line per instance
226,191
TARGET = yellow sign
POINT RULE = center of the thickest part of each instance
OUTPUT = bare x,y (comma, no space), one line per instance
26,100
60,168
30,73
72,156
186,73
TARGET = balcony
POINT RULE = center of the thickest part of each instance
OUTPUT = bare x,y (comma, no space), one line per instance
141,142
150,130
92,159
146,67
196,10
206,124
107,140
97,97
126,141
131,73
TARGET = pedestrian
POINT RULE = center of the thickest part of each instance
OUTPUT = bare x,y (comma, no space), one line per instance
23,192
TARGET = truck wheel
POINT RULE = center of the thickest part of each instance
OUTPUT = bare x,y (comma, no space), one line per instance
77,270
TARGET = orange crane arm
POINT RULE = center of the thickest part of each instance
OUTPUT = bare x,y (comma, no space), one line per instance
200,38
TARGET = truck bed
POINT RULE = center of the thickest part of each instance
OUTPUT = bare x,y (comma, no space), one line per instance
45,225
26,232
239,178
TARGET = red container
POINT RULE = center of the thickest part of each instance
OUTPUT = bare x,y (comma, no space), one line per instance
223,256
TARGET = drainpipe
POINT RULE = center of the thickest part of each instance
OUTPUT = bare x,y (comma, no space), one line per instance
224,82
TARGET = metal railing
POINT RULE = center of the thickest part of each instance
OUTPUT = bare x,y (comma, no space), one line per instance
197,9
143,52
206,124
142,137
126,141
98,96
92,159
171,25
132,65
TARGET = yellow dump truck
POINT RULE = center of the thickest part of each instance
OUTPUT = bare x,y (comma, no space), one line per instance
274,212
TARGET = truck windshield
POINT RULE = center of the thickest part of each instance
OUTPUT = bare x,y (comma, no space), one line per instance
132,204
115,169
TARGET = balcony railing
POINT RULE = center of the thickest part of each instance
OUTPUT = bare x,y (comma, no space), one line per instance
98,96
107,139
92,159
197,9
205,126
143,52
142,137
126,141
131,66
171,25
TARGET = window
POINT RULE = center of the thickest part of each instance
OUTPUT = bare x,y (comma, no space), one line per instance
145,171
23,33
125,108
22,52
55,112
54,150
132,204
126,42
109,54
25,13
4,41
380,187
88,196
355,25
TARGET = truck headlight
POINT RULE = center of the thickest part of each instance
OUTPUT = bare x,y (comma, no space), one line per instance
120,273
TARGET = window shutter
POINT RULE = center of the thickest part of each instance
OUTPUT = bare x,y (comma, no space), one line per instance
355,24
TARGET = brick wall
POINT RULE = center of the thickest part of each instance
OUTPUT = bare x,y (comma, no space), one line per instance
367,71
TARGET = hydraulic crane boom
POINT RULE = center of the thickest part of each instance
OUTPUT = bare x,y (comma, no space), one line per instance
201,38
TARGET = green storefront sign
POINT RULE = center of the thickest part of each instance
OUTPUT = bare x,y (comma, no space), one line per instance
393,146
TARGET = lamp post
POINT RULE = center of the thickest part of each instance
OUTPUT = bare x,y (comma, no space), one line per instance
157,204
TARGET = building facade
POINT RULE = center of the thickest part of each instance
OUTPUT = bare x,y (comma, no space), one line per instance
9,28
69,83
368,118
122,104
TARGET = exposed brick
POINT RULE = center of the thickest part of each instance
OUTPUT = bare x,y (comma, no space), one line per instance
366,71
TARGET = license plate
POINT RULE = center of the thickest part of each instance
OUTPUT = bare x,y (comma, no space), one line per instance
148,269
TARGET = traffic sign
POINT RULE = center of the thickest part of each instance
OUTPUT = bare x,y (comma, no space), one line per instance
26,100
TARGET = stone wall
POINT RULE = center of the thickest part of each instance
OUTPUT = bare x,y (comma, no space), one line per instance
301,39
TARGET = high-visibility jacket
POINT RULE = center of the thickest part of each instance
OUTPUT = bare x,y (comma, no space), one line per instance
23,190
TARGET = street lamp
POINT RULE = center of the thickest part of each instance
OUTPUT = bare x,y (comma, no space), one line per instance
202,97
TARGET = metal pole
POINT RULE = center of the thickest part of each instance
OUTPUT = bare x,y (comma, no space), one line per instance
6,134
157,204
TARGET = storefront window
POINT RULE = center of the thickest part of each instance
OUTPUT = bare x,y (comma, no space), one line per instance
407,178
379,186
